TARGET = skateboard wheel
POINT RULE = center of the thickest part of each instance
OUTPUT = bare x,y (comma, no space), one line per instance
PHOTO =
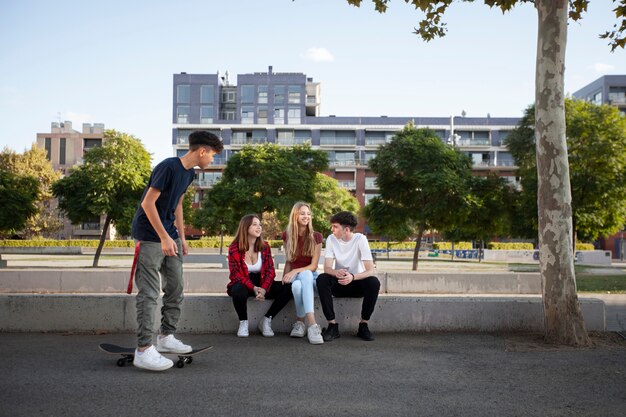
180,363
189,359
121,362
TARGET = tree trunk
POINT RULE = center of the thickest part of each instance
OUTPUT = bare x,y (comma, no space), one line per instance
96,258
480,251
562,315
388,248
453,250
418,244
221,241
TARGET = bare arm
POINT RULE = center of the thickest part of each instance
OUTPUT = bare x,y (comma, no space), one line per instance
179,222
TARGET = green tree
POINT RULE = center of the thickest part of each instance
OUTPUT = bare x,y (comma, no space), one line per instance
563,317
18,196
33,162
329,198
110,181
596,141
422,181
261,179
487,212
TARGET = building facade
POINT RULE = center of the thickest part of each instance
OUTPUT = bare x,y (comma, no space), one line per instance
284,108
65,148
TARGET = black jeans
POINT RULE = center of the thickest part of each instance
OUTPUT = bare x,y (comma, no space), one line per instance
328,286
279,292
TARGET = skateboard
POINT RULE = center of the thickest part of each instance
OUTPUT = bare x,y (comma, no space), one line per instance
128,354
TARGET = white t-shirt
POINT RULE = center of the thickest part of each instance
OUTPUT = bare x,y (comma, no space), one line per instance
349,255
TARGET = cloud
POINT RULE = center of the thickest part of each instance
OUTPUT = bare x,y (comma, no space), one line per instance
318,55
601,68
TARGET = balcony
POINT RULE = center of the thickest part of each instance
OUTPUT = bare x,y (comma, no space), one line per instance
473,142
617,98
247,141
205,183
87,229
344,162
293,141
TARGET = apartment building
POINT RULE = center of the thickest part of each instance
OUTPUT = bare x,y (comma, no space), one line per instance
65,148
284,108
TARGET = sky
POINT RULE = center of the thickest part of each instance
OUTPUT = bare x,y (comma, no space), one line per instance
113,61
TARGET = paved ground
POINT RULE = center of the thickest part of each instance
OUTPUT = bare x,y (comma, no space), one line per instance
397,375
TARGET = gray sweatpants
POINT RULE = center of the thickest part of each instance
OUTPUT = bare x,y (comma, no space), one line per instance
150,264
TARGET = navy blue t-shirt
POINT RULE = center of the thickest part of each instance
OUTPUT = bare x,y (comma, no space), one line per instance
172,179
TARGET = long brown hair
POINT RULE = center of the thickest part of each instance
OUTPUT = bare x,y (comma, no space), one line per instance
242,234
291,241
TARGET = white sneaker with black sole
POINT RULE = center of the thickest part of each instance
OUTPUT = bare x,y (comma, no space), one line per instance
151,360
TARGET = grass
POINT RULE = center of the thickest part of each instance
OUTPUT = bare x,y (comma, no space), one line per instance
610,284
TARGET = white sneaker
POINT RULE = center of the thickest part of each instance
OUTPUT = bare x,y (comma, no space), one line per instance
243,329
314,334
298,329
169,344
151,360
265,327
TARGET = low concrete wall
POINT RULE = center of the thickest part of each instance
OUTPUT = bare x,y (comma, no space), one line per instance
215,313
87,280
463,283
41,250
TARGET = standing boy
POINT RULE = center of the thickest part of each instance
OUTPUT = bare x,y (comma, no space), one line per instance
159,231
348,272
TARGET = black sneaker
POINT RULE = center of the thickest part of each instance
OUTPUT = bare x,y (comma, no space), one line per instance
364,332
331,333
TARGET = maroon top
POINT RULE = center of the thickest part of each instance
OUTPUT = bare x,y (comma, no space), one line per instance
239,269
302,261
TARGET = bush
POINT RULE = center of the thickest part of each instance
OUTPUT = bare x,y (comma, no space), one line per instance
67,243
448,245
392,245
584,246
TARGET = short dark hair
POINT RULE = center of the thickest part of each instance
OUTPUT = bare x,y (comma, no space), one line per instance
203,138
345,218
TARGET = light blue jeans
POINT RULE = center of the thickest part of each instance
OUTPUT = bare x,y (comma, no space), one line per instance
303,289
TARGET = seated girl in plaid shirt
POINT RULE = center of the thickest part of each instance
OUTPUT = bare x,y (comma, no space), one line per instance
252,275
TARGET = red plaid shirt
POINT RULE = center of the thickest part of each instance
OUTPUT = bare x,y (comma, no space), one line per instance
239,269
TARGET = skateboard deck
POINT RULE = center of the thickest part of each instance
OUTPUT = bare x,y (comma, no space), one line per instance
128,354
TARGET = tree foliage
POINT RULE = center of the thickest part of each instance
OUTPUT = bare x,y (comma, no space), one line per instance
422,181
329,198
33,163
18,195
596,142
110,181
261,179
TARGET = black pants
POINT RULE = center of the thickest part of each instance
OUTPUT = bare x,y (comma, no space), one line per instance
328,286
279,292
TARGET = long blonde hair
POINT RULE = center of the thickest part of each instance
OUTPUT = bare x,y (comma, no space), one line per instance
291,239
241,237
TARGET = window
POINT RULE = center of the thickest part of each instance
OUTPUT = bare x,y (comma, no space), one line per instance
262,115
247,114
207,94
294,94
368,197
228,96
182,114
279,116
339,137
91,143
342,158
293,116
247,137
262,98
279,94
370,183
182,94
62,151
47,143
227,115
369,155
377,138
247,94
206,114
207,179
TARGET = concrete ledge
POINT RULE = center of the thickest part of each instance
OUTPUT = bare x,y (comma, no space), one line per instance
87,280
212,313
41,250
463,283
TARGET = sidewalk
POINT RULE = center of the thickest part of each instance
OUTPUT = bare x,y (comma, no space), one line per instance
397,375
